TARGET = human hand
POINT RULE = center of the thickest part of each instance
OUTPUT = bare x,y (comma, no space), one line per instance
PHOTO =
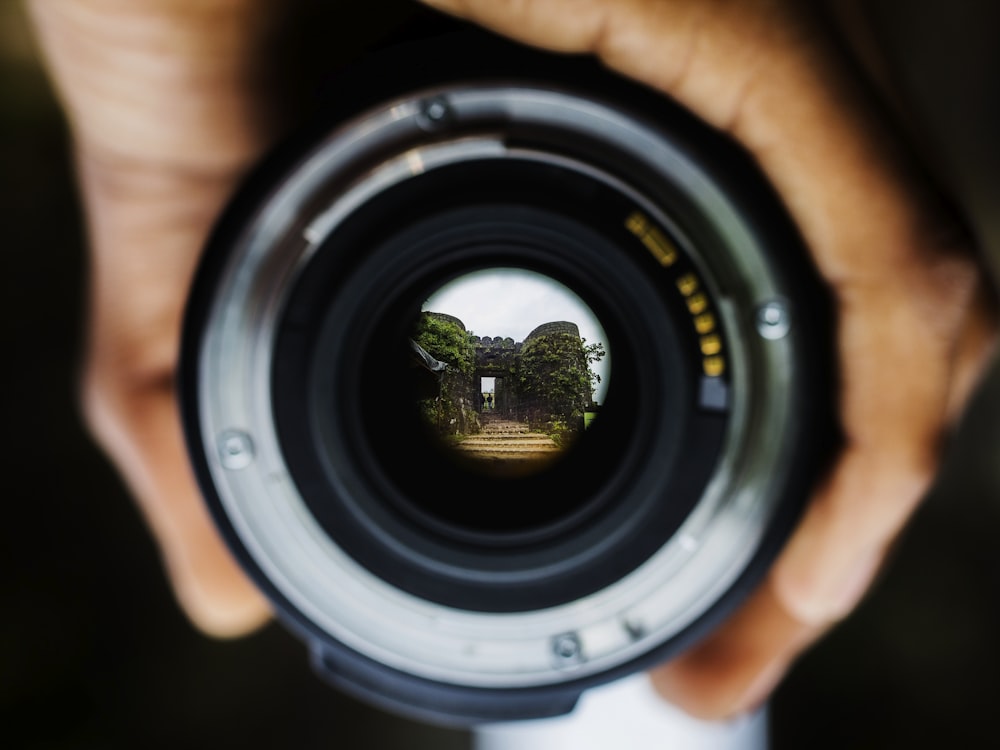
167,110
914,323
156,168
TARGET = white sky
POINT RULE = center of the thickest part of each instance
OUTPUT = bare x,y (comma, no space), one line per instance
513,302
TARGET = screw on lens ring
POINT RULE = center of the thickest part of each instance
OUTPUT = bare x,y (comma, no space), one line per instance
773,320
568,650
435,113
236,449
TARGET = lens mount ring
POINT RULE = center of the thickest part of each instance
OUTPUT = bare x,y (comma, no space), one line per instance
323,588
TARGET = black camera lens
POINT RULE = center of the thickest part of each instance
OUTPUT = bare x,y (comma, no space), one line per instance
504,386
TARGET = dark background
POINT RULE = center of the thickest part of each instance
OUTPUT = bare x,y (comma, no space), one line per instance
95,654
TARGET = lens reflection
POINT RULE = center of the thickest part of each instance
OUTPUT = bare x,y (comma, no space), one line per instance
512,369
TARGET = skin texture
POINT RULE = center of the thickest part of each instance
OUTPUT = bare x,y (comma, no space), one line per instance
165,115
165,105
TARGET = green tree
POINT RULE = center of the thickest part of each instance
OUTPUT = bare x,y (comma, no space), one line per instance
555,373
446,342
452,412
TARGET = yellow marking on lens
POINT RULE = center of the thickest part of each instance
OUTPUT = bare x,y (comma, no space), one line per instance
655,241
714,366
704,323
637,224
697,303
711,344
688,284
662,248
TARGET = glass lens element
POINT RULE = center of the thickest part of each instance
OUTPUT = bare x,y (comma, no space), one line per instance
514,368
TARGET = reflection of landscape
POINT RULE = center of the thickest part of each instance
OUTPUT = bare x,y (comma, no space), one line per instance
512,405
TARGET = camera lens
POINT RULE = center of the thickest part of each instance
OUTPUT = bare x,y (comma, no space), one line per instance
506,386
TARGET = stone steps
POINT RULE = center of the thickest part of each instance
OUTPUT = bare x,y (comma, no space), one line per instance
506,440
525,440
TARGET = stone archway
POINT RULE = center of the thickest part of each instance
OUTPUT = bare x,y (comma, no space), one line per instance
527,387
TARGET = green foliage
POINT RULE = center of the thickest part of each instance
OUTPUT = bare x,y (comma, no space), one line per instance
555,371
452,412
446,342
560,430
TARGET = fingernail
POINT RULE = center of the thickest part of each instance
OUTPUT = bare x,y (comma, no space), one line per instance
854,585
832,599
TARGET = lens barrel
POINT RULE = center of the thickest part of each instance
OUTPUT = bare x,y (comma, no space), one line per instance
434,584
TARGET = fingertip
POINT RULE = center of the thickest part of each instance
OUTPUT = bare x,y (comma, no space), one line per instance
840,545
697,690
735,669
214,593
715,692
140,430
821,596
225,620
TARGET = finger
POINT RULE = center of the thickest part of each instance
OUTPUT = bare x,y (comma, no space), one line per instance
166,103
908,367
703,53
737,667
137,425
135,313
760,70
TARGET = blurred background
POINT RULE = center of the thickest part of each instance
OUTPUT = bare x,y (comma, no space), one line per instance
95,654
